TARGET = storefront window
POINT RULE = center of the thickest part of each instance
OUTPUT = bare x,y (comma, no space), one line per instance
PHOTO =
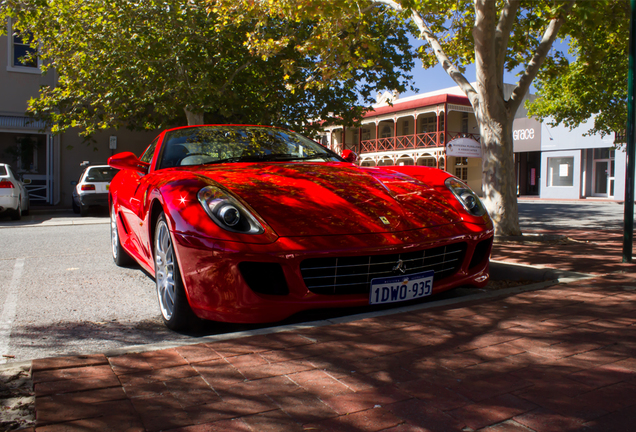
561,171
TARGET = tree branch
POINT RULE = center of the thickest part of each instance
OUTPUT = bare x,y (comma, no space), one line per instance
488,84
502,34
549,36
442,58
236,71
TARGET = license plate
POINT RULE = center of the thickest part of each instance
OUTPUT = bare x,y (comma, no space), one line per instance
401,288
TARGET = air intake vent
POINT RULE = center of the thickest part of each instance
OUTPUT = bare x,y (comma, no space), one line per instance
264,278
353,275
482,252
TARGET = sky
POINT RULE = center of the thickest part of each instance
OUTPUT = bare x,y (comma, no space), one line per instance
436,78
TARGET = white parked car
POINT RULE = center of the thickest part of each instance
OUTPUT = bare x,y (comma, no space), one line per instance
92,188
14,197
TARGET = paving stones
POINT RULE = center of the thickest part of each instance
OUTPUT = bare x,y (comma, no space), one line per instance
557,359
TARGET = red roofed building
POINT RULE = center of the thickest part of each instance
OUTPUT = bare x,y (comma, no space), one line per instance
413,131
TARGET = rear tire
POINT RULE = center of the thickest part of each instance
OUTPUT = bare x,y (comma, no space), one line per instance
120,256
17,213
76,208
83,210
173,302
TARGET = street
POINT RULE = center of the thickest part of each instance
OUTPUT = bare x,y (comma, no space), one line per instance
61,293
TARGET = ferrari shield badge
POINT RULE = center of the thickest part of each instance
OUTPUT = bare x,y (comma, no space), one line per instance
384,220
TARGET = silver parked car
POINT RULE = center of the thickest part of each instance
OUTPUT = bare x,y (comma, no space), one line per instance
14,197
92,188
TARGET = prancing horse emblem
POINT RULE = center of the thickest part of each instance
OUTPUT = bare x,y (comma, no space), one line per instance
399,267
384,220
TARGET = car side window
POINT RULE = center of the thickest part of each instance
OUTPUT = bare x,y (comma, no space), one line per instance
150,152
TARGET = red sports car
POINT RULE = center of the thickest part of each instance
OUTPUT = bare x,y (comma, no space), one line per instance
252,224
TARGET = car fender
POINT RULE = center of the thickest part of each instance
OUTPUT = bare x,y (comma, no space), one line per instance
178,198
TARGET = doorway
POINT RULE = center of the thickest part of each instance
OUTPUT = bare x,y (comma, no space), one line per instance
603,173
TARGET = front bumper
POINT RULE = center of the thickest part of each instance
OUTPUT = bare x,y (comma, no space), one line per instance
218,290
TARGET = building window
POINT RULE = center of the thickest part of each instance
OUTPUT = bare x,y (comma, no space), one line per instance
366,133
561,171
386,132
428,124
461,168
427,161
21,57
405,127
23,54
464,122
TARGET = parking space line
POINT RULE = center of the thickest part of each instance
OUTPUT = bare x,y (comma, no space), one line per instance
9,310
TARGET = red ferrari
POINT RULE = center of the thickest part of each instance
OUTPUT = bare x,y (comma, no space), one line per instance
252,224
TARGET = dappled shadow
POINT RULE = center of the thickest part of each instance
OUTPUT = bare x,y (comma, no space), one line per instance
565,353
583,251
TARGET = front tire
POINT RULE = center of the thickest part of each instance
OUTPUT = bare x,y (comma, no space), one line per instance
173,303
120,256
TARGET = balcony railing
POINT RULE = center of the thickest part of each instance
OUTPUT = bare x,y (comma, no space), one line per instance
408,142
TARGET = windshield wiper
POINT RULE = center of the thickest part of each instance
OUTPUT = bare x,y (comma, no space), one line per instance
268,157
291,157
234,159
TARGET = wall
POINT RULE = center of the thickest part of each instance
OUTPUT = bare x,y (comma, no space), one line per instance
16,88
74,151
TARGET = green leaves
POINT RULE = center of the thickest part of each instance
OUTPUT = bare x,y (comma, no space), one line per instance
142,64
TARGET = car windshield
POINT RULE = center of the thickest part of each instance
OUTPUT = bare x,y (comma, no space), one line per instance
223,144
100,174
3,171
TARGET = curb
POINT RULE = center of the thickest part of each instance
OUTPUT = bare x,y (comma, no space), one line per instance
501,268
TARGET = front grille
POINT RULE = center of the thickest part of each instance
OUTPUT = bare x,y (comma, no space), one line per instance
353,275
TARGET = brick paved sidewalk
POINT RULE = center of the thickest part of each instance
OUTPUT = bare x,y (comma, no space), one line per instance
558,359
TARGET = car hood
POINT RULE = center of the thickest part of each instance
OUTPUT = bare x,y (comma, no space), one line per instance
304,199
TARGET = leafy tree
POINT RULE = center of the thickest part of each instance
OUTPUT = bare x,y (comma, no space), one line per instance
154,63
595,83
495,35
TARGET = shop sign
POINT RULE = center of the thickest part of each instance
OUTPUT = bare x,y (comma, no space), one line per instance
526,135
463,147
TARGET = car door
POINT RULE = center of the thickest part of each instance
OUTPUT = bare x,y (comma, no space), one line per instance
139,206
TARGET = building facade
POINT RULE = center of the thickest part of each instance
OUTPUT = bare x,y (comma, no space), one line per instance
551,162
51,162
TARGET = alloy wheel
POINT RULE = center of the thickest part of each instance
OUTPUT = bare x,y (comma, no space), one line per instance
164,270
114,237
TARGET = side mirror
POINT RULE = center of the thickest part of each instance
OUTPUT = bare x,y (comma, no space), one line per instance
74,183
349,156
128,161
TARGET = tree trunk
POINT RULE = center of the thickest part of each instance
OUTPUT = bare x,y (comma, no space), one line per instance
498,173
194,118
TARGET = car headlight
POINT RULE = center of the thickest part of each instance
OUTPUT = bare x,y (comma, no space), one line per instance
466,196
227,212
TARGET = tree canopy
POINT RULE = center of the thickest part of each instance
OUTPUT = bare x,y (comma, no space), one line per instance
494,35
594,84
154,63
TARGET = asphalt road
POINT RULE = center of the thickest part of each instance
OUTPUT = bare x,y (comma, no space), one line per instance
61,293
551,215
